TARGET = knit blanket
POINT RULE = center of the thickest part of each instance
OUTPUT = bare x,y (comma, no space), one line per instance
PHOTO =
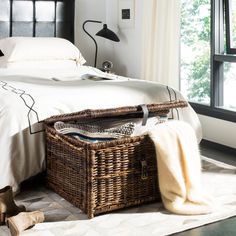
179,168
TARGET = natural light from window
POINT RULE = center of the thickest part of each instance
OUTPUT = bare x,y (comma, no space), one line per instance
195,50
229,100
233,21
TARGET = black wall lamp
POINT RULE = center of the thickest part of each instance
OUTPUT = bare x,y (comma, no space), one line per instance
105,33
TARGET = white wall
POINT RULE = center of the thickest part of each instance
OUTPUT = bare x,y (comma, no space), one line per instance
218,131
90,10
125,55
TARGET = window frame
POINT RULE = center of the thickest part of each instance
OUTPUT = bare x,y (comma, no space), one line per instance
218,57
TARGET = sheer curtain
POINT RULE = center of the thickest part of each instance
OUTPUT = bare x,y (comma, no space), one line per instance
161,40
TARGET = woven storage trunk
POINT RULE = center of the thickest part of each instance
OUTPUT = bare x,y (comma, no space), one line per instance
104,176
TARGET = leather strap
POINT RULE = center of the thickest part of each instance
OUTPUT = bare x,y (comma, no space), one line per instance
145,114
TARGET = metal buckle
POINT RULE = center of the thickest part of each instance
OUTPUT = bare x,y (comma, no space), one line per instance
144,174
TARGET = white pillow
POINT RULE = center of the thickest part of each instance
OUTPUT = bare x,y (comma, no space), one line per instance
18,49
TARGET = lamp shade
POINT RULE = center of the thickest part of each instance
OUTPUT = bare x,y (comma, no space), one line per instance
108,34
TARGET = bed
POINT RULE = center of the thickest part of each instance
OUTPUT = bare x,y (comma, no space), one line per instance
33,89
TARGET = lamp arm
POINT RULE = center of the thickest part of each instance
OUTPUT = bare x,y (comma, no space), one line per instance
96,46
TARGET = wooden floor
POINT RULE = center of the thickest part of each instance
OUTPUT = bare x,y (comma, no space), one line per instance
225,227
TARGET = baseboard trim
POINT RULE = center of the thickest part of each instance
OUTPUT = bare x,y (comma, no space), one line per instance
219,147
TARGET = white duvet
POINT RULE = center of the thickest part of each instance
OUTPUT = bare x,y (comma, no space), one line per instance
57,92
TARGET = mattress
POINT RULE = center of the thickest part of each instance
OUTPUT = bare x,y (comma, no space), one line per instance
29,96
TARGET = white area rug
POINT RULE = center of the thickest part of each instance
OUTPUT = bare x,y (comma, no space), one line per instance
151,219
218,178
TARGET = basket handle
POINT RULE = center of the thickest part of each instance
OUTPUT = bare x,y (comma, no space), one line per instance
145,113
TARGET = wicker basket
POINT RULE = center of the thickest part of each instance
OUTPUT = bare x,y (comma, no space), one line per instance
105,176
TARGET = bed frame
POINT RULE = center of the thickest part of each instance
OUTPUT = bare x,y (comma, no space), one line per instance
37,18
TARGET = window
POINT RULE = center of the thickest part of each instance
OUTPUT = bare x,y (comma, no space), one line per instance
208,56
229,86
195,50
230,16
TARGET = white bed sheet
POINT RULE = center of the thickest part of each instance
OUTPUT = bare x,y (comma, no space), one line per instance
22,153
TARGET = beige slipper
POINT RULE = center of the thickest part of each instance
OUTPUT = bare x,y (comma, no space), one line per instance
23,221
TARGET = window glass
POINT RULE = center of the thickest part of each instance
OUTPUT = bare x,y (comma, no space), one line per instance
229,100
233,23
195,50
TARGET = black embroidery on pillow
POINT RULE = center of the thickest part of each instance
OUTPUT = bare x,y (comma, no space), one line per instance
1,54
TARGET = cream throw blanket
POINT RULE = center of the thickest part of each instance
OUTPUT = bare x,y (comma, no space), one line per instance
179,167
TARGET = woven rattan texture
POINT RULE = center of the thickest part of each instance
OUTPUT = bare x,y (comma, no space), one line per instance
105,176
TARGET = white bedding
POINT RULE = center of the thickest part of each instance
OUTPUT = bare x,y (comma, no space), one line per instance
22,153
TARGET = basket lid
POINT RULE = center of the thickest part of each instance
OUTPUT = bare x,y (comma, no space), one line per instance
154,109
